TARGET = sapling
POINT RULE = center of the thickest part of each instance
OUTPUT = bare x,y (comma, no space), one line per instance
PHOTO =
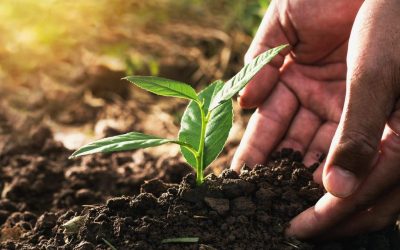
205,124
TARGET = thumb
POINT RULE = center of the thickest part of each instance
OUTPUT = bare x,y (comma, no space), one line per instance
356,143
369,101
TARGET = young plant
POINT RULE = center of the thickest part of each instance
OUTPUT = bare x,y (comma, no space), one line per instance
205,124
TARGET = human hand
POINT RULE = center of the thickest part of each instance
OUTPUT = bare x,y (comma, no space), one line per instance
299,95
362,170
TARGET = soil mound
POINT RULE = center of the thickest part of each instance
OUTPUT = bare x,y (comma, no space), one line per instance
231,211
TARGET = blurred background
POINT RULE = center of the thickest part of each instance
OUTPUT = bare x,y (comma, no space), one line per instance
61,63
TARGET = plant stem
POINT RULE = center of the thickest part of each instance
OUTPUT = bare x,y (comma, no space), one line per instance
200,155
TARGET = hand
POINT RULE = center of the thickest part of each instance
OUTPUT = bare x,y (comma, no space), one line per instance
362,170
300,95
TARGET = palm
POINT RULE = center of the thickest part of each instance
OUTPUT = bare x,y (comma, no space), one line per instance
319,93
300,100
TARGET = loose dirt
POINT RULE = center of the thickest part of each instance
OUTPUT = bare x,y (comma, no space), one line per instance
53,203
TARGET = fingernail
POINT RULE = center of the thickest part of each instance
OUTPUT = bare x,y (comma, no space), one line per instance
340,182
240,93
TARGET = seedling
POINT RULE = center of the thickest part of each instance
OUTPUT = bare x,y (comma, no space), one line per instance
205,124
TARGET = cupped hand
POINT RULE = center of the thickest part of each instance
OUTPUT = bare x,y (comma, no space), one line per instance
301,93
362,170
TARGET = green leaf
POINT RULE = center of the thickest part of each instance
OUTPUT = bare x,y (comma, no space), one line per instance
181,240
217,130
129,141
109,244
163,86
239,81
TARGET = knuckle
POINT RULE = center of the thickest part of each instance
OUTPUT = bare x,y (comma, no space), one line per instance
375,82
271,117
358,144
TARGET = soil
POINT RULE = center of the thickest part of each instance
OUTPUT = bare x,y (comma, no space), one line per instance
49,202
37,177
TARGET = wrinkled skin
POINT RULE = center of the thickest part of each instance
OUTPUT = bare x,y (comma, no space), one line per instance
308,99
301,107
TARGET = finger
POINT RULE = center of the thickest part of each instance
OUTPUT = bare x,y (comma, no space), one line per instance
266,128
331,210
269,35
301,131
358,136
317,175
320,143
381,215
314,85
369,86
259,88
326,72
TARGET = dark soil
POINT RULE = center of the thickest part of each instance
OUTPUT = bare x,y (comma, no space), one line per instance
37,177
231,211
